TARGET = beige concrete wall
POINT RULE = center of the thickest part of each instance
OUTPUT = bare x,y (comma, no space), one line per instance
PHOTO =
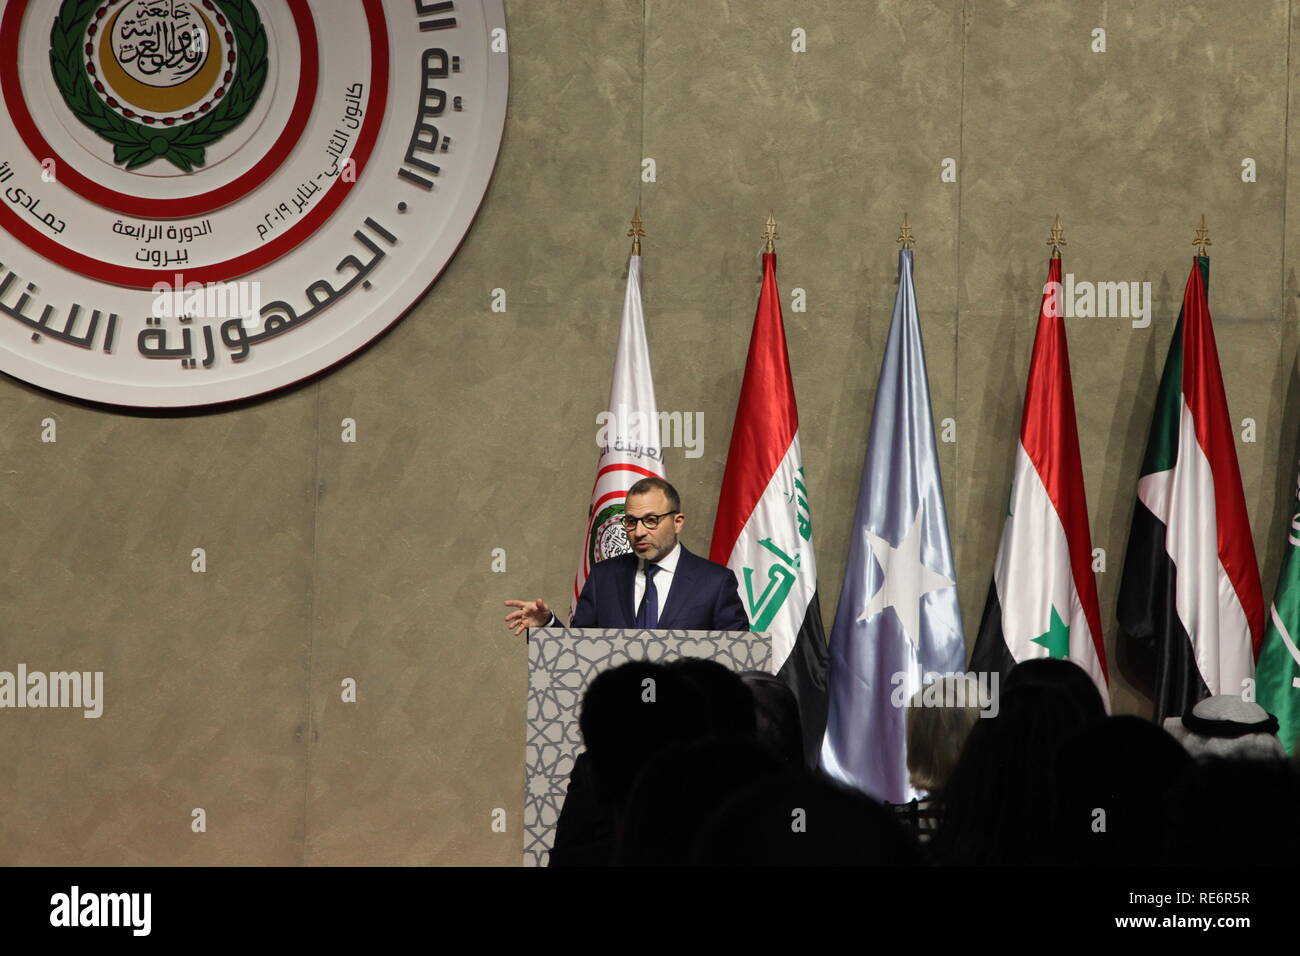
476,429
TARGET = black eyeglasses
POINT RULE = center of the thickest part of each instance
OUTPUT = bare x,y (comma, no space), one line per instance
650,521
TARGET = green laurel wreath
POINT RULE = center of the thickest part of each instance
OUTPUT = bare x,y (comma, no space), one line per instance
135,144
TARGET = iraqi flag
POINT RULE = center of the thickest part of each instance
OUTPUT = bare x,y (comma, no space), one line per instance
1043,599
1190,603
628,436
898,619
763,529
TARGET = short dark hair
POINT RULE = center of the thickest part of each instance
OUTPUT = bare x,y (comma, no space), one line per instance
652,483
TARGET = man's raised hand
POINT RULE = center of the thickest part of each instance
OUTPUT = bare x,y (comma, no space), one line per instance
530,614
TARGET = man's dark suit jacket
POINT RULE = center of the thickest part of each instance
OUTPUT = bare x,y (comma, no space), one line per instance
703,596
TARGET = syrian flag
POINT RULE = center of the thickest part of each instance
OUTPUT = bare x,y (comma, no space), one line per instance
628,436
763,529
1190,601
898,618
1043,599
1277,679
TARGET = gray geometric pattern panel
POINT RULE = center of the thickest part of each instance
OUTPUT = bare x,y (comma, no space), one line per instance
561,663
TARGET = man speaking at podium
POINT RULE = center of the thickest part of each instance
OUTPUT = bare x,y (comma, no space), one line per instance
659,585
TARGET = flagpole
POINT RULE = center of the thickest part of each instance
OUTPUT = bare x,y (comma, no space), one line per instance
770,234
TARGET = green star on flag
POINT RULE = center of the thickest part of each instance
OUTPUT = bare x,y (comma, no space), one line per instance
1057,637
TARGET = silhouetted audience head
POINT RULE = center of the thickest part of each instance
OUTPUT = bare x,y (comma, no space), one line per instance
630,713
1111,781
1234,812
998,801
728,703
1063,675
776,712
634,711
1227,726
936,734
804,819
679,790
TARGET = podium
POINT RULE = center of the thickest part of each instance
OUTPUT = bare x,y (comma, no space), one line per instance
561,663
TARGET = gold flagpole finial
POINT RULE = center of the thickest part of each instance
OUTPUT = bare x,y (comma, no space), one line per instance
636,232
905,234
1202,237
1057,238
770,234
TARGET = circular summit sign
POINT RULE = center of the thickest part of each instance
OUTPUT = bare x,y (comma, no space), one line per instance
204,200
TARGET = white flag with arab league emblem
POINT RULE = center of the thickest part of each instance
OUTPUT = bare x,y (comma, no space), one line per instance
628,436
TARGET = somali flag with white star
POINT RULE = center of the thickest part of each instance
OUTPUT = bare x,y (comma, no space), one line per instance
1043,599
898,619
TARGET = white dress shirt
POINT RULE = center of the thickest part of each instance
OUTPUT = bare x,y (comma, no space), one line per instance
663,578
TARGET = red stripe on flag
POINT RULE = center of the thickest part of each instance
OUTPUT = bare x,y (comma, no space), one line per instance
602,499
766,420
637,468
1205,396
645,472
1050,435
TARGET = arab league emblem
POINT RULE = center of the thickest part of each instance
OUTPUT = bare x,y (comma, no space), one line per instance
204,201
159,78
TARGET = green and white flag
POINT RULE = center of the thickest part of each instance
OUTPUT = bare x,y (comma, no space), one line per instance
1277,674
